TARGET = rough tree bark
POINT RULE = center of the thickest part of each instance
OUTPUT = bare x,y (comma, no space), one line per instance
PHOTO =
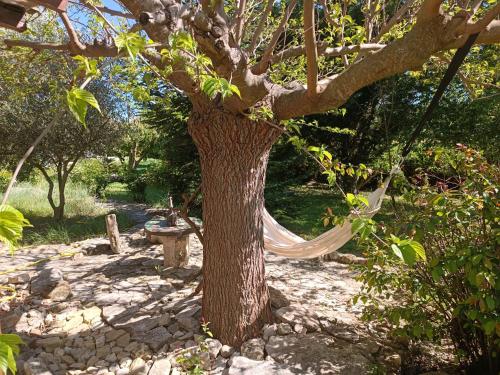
233,154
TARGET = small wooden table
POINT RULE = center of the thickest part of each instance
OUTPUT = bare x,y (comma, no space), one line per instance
175,239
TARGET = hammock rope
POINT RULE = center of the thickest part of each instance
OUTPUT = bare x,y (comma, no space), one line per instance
281,241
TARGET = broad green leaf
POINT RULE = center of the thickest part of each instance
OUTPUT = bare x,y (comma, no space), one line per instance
131,42
78,101
409,255
12,223
418,248
357,225
397,251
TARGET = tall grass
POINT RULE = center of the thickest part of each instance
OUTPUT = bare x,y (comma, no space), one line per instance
31,199
84,215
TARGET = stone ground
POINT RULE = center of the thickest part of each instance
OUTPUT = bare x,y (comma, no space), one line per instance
92,312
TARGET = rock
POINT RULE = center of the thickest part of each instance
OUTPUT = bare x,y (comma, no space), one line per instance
123,340
393,361
189,324
205,360
278,299
284,329
155,338
214,347
34,366
91,314
138,367
188,311
46,281
294,314
269,330
73,323
21,278
61,292
96,246
114,334
245,366
317,353
340,331
253,349
226,351
50,343
300,329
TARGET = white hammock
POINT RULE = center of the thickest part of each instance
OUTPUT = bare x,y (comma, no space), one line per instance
279,240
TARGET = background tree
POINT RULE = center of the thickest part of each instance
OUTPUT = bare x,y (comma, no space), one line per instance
25,113
248,71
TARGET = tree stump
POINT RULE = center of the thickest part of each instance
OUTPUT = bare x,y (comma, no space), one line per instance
113,233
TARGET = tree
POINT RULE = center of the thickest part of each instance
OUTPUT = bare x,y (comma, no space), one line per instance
137,143
248,70
23,118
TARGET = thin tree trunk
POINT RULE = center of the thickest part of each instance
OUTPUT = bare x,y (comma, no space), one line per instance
27,155
233,154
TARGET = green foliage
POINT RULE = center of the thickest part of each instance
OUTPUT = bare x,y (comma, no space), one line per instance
79,101
212,86
12,223
5,177
9,349
450,289
86,67
132,43
93,174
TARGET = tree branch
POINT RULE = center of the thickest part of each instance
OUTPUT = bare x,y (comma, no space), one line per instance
89,50
394,19
310,45
407,53
104,9
261,25
324,50
429,10
481,24
240,17
74,40
262,65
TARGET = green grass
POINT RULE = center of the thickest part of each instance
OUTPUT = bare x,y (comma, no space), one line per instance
301,208
118,191
84,215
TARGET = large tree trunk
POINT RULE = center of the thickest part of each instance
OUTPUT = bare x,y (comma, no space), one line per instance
233,154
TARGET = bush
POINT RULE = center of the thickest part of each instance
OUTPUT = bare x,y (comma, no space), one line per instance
452,289
93,174
5,177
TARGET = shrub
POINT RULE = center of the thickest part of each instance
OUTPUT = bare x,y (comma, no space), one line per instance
92,173
5,177
452,289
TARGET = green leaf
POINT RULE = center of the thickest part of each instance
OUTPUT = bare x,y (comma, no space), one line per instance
78,101
131,42
418,248
489,326
12,223
397,251
357,225
409,255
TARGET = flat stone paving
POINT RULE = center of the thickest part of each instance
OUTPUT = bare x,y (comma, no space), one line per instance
128,315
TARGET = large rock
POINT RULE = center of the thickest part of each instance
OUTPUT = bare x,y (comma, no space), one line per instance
96,246
317,354
161,367
61,292
298,315
253,349
155,338
245,366
46,281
